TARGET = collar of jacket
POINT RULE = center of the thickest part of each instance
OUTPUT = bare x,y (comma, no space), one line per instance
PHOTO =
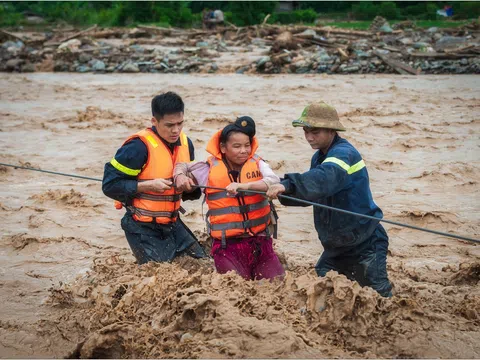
335,140
171,146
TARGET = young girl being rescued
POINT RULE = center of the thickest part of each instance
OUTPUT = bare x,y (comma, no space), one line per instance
238,222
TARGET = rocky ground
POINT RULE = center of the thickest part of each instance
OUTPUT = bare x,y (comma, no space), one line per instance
402,49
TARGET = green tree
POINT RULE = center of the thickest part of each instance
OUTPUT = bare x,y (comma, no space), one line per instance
389,10
250,12
466,9
430,12
365,10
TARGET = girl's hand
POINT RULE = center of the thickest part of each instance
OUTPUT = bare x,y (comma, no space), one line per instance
233,188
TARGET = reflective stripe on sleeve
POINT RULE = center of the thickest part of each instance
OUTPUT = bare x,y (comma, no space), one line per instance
349,169
124,169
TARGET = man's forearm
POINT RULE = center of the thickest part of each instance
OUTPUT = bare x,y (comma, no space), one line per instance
316,183
116,186
144,186
180,169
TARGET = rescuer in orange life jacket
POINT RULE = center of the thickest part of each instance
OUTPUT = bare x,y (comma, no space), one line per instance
140,177
237,222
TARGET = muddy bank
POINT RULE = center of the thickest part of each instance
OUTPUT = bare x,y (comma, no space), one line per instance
166,310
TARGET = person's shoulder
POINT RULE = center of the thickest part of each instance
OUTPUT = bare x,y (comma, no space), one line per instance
134,142
133,147
344,149
344,145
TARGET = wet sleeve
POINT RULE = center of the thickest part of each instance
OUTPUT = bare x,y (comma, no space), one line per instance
323,180
197,193
199,171
269,177
120,174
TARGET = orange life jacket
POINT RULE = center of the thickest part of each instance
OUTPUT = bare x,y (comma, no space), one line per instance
228,216
161,208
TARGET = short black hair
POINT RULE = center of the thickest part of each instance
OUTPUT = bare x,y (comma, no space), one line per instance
167,103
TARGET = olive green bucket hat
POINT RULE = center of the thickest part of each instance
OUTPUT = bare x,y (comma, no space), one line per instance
319,115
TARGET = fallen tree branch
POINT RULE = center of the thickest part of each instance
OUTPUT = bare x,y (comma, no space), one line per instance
343,54
324,43
392,48
265,20
398,66
92,49
12,35
156,29
460,49
232,25
437,55
78,34
331,30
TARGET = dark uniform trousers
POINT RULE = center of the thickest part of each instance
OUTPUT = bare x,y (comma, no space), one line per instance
365,263
159,242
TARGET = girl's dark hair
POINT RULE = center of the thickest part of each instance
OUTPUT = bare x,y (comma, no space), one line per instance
224,138
244,125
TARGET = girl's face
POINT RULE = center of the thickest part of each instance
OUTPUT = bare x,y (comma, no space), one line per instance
237,149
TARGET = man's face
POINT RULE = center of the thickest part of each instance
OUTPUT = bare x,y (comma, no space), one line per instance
169,126
318,138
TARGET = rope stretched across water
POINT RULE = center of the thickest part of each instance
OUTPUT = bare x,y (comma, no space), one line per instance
354,214
460,237
51,172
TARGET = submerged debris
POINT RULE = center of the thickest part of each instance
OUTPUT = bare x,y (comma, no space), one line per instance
400,49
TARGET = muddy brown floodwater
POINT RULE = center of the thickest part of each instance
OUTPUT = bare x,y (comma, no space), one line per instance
69,285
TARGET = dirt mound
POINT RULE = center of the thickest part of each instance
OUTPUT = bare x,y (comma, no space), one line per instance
71,198
284,41
170,311
468,274
186,310
469,308
107,343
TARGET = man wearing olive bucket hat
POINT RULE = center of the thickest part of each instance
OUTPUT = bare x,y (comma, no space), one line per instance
353,246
